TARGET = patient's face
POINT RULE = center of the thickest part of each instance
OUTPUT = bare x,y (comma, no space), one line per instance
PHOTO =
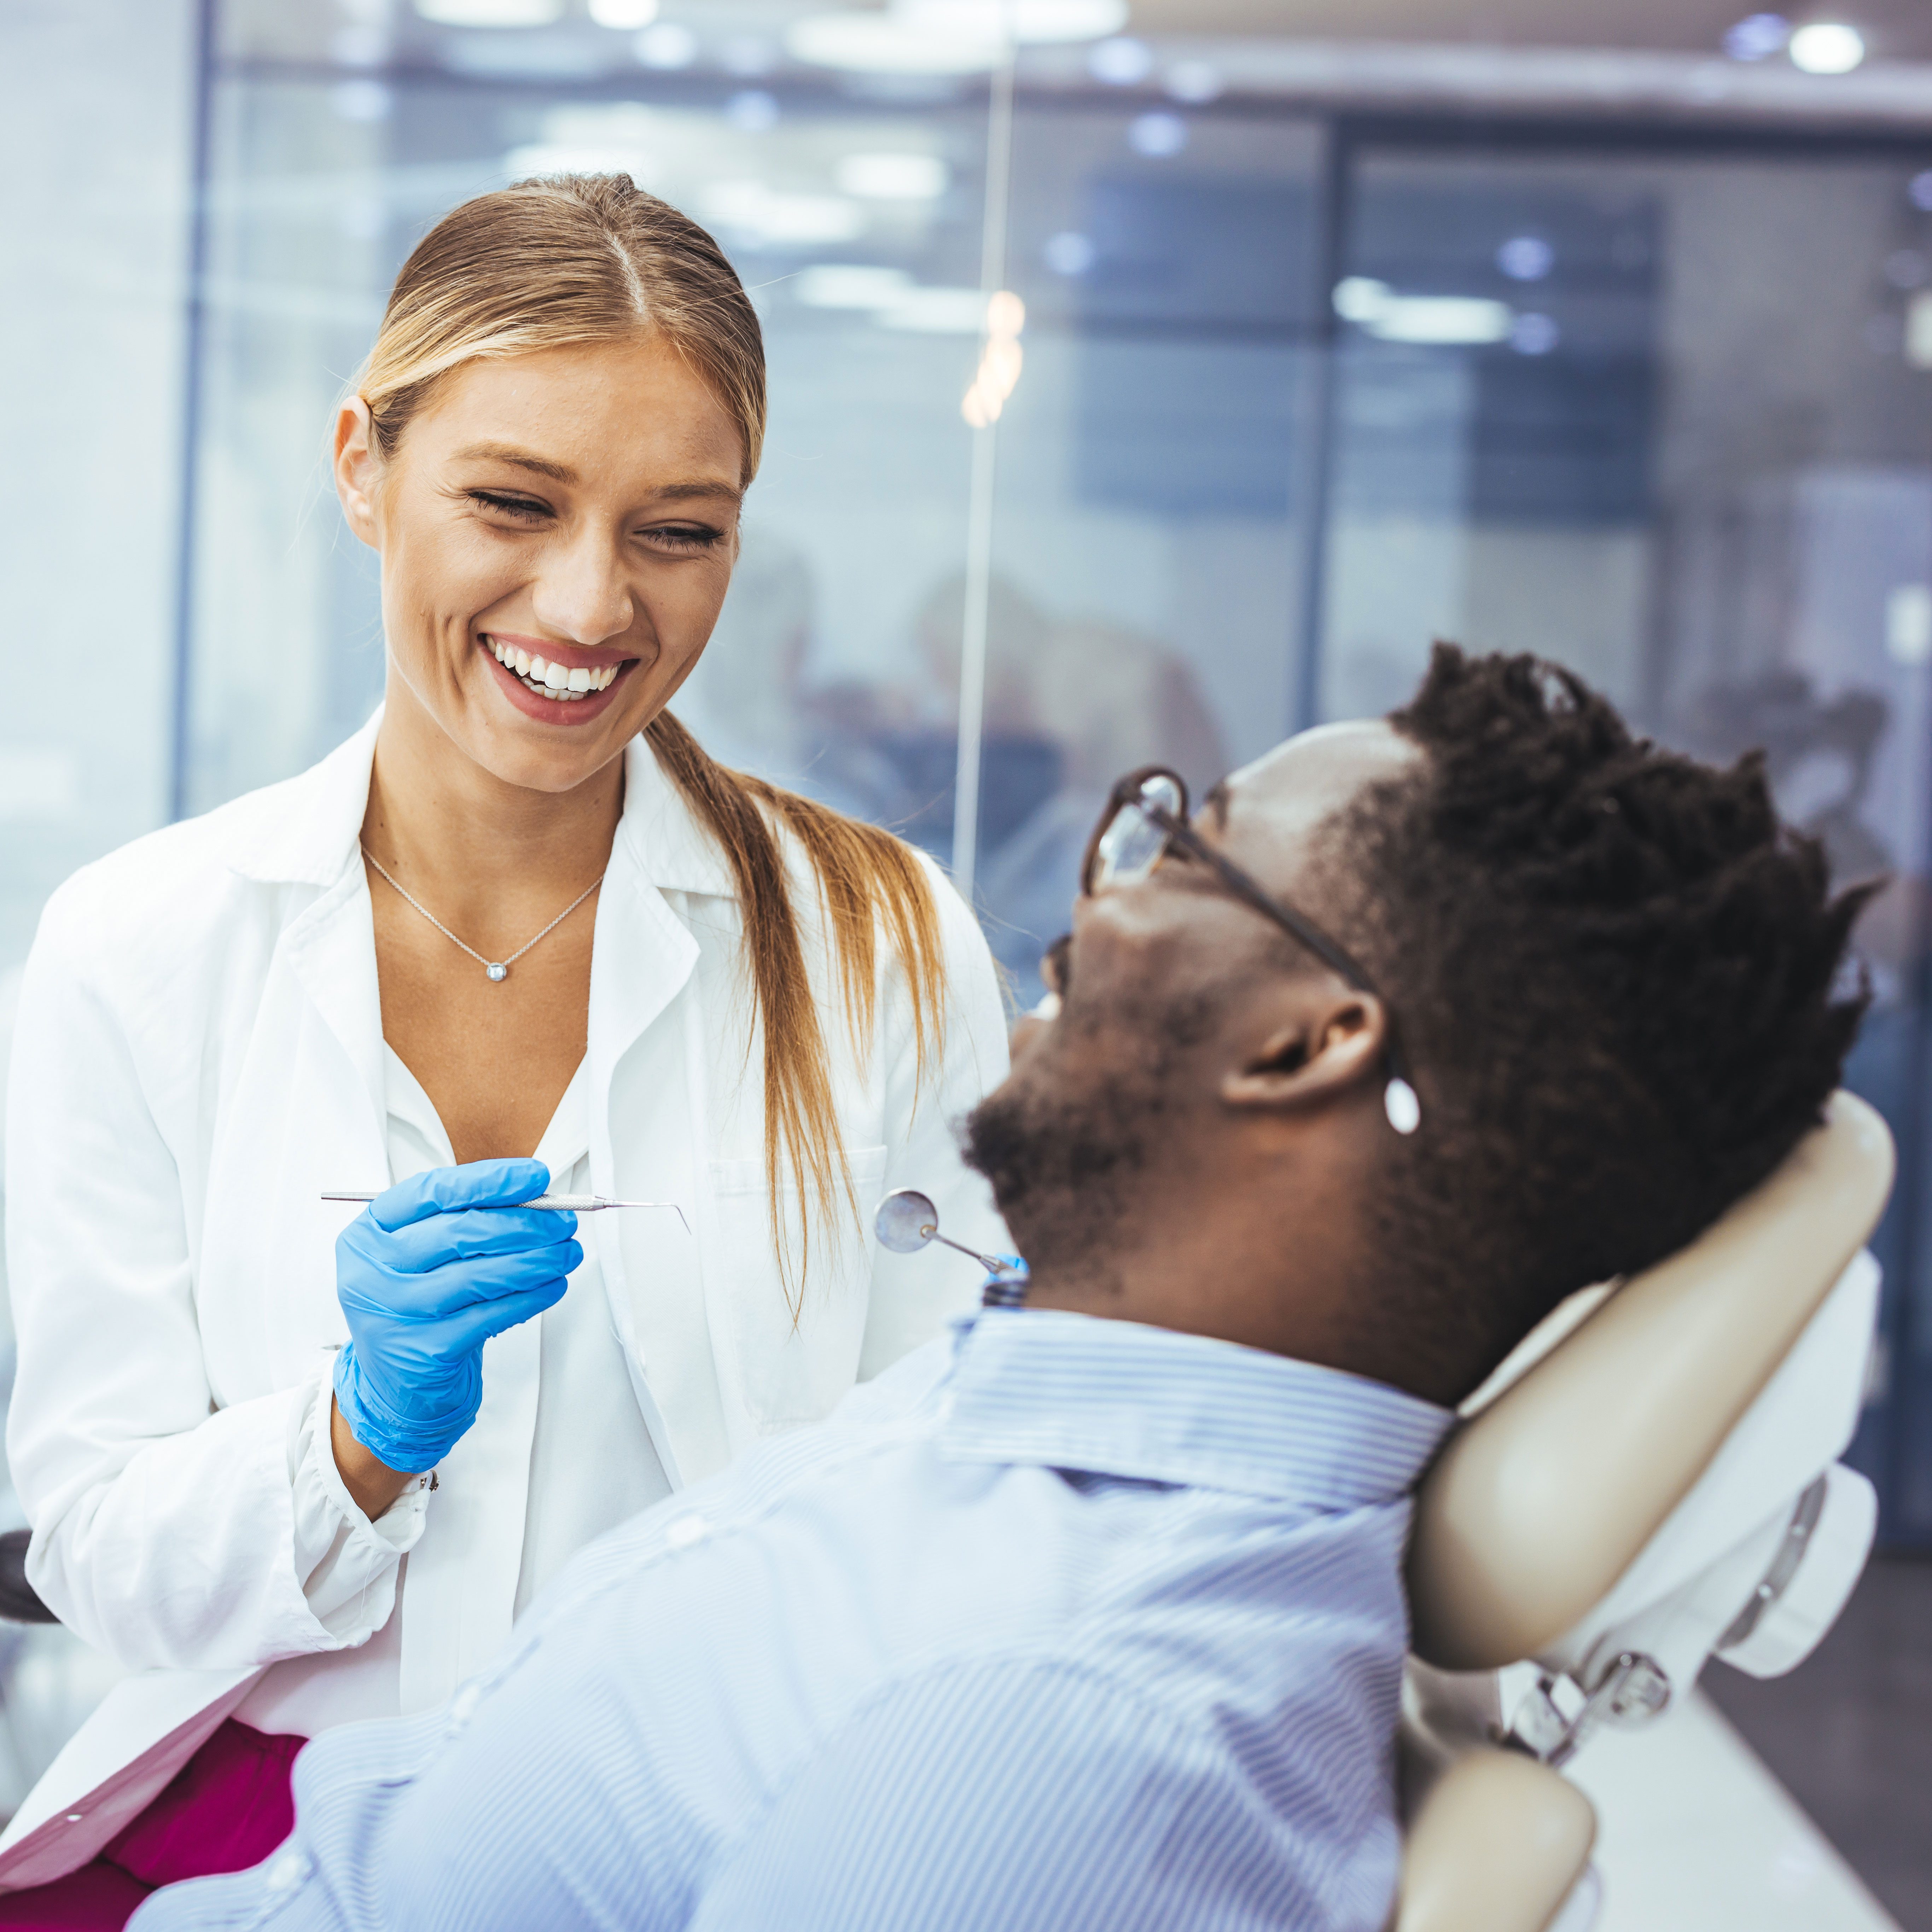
1121,1091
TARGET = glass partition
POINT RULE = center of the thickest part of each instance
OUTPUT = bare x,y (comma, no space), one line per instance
1669,420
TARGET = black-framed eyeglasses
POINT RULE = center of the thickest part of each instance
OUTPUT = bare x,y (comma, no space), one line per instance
1146,816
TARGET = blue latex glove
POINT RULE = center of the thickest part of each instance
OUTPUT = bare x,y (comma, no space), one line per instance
426,1274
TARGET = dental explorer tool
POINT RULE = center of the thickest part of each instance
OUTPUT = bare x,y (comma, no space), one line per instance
570,1203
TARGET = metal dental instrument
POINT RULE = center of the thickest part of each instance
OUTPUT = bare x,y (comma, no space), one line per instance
907,1221
572,1204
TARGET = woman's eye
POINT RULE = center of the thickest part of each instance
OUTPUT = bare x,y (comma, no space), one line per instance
525,509
685,536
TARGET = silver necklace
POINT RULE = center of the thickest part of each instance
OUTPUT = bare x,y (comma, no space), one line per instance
497,970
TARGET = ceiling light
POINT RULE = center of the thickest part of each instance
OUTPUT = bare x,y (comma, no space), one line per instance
667,46
624,13
1534,334
748,55
937,311
1157,136
1069,252
1120,63
575,157
753,109
765,216
1757,37
893,177
491,13
1028,22
884,43
1526,258
946,36
1439,320
1827,47
1196,82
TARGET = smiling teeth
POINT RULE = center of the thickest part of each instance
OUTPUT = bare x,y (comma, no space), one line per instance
552,680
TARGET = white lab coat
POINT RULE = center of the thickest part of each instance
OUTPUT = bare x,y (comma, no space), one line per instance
199,1054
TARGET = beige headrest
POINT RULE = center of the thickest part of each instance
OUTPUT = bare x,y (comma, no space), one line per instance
1539,1505
1497,1846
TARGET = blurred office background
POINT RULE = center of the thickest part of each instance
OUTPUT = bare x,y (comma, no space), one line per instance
1604,332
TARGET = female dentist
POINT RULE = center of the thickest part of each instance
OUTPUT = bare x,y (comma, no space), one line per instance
299,1466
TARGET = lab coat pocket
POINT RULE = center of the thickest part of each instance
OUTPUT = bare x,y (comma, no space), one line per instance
796,1335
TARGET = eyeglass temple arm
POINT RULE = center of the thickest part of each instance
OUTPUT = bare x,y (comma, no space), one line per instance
1317,941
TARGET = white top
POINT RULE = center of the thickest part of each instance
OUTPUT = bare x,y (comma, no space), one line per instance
592,1461
199,1054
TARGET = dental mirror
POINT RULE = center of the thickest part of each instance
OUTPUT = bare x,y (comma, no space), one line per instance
906,1220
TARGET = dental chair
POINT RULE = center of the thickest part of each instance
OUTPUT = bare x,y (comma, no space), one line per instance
1650,1480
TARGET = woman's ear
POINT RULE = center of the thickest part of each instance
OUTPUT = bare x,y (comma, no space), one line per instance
356,465
1331,1045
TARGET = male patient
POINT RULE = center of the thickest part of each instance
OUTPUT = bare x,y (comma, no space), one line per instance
1090,1615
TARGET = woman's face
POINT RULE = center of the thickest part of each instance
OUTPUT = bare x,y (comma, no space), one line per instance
557,531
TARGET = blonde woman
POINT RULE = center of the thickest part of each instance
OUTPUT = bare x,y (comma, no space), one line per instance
301,1465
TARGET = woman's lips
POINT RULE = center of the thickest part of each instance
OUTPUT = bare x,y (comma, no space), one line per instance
565,706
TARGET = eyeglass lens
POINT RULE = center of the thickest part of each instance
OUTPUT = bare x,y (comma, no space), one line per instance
1132,845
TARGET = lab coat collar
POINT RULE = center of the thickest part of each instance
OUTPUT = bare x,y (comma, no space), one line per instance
304,831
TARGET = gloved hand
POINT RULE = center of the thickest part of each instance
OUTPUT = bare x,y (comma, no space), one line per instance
426,1274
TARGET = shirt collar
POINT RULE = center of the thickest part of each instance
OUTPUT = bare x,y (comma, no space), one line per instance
304,831
1048,1386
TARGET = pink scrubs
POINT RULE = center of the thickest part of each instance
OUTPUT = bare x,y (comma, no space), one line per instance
227,1808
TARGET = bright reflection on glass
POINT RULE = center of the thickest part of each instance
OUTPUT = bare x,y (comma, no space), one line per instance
666,46
999,370
1157,136
623,12
1827,47
1908,625
1526,258
1376,309
1069,252
893,177
491,13
1534,334
1757,37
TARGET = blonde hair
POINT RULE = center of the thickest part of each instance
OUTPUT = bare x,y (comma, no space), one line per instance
592,258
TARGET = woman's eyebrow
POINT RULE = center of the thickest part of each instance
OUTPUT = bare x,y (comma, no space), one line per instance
521,459
683,493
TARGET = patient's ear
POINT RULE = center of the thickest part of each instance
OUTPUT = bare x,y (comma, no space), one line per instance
1312,1056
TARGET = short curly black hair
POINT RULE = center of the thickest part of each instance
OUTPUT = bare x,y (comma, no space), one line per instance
1621,982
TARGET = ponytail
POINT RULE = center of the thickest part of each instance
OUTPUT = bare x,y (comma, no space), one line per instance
867,880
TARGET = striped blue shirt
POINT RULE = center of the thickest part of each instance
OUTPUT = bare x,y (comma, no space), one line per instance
1062,1623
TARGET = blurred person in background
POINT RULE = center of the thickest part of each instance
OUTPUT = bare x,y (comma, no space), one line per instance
521,933
1112,699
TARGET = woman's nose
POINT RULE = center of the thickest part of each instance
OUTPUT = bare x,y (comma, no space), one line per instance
582,593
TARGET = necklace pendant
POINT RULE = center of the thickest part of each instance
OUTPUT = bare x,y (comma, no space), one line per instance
496,972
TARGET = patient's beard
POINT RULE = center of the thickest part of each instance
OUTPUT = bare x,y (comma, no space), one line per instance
1068,1164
